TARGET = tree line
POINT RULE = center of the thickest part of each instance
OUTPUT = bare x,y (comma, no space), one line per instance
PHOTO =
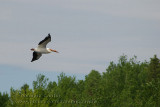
128,83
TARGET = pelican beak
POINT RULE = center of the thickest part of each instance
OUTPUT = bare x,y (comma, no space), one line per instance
54,51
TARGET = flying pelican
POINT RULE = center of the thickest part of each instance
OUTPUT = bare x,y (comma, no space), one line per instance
41,49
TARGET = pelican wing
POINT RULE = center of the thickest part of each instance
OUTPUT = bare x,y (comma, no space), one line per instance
44,42
36,56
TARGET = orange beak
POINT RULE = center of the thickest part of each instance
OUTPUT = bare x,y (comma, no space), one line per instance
54,51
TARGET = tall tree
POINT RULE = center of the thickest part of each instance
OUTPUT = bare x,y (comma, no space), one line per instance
4,98
154,68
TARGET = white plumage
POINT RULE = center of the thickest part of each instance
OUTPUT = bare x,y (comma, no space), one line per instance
41,49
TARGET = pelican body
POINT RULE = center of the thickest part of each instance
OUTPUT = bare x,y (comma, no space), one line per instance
41,49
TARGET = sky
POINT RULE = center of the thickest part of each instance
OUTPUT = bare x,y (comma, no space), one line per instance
88,34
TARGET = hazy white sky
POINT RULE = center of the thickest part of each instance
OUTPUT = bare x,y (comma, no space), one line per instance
87,33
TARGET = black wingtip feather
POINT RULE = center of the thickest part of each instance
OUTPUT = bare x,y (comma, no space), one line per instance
34,56
49,36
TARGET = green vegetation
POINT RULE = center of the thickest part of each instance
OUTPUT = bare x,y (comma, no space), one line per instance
4,98
129,83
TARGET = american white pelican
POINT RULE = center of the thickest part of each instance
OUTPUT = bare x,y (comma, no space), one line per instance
41,49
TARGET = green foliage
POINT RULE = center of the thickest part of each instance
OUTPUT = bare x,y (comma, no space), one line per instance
4,98
154,68
41,82
129,83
